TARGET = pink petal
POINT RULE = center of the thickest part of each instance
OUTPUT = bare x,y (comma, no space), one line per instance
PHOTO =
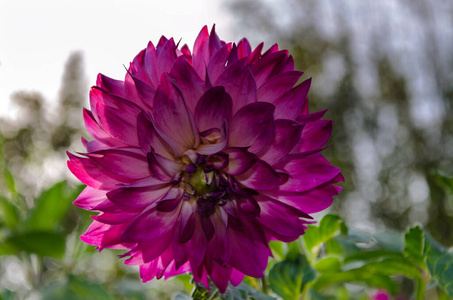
240,160
307,172
105,236
147,251
239,84
281,218
270,65
287,134
260,176
252,126
277,86
213,108
314,136
172,115
149,138
311,201
218,61
126,163
90,174
290,103
89,198
139,196
150,225
248,257
188,81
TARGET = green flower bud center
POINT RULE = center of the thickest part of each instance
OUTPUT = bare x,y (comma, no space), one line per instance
198,182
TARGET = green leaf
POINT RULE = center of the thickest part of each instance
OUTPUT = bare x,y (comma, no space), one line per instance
444,272
7,248
41,243
433,251
9,180
444,181
390,240
390,266
315,236
75,289
372,256
414,244
359,275
9,214
328,264
288,278
51,207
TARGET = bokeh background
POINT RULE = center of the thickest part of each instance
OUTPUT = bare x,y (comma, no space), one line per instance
384,69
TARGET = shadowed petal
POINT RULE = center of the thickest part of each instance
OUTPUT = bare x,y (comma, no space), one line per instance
213,108
252,126
314,136
188,81
307,172
240,160
260,176
287,134
239,84
290,103
150,225
138,196
172,116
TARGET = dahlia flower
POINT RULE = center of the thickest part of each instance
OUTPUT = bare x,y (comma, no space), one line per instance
200,159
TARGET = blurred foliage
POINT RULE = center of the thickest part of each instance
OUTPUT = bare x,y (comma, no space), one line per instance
384,70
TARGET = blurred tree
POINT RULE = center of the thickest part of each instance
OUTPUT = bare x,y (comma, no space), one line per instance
40,133
384,70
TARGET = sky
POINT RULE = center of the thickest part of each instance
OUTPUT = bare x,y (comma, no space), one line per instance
37,37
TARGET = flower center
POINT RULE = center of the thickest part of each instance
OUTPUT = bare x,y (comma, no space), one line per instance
198,181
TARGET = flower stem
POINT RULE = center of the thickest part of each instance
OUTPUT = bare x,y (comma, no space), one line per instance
420,289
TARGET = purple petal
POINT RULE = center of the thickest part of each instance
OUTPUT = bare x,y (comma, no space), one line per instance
205,46
314,136
126,163
312,201
244,49
260,176
90,174
306,172
220,275
253,126
240,160
166,57
172,116
287,135
187,223
270,65
248,257
188,81
138,196
149,138
150,225
115,87
96,131
305,118
239,84
147,251
281,218
105,236
277,86
213,108
218,61
89,198
290,103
